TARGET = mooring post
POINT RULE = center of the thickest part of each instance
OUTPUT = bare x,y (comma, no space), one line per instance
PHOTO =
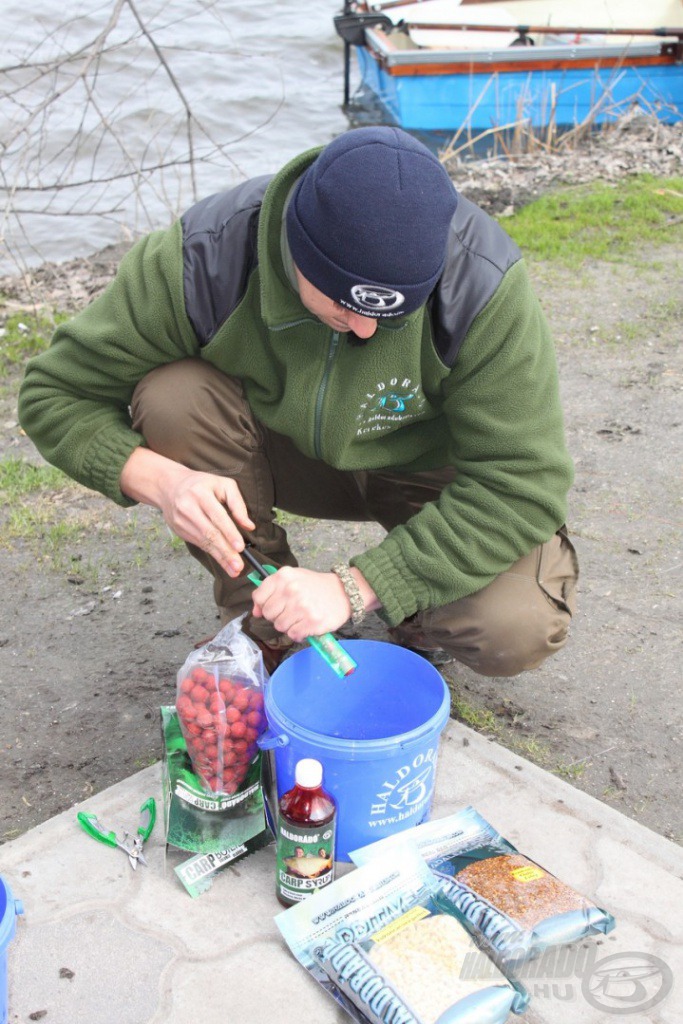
347,61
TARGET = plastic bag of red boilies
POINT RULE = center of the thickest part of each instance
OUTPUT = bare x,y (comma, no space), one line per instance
219,701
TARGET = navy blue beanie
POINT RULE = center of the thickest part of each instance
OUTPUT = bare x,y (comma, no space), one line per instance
368,221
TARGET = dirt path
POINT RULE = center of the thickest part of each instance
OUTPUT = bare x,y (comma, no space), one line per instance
98,608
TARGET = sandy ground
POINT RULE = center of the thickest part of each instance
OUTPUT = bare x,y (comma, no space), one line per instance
97,615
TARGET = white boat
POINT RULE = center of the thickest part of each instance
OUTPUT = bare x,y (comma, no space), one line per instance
445,64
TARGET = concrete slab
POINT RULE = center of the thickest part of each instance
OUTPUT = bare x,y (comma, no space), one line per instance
140,948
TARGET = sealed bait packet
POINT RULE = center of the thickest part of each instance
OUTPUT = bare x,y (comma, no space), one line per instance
517,907
378,941
201,822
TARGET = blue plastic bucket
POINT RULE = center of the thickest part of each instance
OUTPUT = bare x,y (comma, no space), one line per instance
376,733
9,910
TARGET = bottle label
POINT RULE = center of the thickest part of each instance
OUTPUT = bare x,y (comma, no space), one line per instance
305,858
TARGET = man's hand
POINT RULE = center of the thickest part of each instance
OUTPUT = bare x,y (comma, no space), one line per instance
303,603
201,508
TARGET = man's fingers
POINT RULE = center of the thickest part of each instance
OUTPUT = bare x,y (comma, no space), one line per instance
227,510
271,605
209,512
222,534
236,504
277,600
215,544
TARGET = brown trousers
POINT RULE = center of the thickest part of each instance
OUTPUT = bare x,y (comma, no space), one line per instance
199,417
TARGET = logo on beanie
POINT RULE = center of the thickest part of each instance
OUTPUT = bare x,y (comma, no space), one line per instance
376,299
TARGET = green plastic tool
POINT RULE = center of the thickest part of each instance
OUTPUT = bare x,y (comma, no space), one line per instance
131,845
327,646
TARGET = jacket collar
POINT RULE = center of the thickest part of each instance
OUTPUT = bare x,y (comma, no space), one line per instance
280,303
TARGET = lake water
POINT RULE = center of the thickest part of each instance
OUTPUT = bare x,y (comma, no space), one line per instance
263,81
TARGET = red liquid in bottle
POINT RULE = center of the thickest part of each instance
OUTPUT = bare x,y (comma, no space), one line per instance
305,836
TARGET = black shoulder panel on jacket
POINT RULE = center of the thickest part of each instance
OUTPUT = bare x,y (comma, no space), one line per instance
479,254
219,253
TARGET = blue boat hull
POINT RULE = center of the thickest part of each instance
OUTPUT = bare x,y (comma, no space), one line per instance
567,96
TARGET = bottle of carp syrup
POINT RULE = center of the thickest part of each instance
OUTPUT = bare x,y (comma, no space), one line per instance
305,835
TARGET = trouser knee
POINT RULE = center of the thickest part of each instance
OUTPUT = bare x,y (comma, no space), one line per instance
509,645
192,413
517,621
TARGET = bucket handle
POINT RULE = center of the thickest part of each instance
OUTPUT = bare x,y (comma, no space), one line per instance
18,907
268,740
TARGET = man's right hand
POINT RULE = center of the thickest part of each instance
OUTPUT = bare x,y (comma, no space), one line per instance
201,508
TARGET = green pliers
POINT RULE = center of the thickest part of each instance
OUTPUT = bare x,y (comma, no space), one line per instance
131,844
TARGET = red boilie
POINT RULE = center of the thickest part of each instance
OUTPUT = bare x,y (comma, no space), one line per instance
221,720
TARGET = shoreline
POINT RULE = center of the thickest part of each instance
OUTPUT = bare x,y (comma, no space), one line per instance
636,144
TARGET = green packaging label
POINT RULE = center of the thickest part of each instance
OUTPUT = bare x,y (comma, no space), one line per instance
206,802
202,822
196,874
305,858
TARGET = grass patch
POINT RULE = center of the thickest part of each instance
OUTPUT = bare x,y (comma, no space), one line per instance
479,719
529,747
485,721
666,312
24,335
570,771
57,537
53,545
289,518
35,511
624,335
145,762
52,518
37,525
19,478
145,531
600,221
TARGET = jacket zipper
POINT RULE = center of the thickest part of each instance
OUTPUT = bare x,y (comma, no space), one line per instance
331,353
293,323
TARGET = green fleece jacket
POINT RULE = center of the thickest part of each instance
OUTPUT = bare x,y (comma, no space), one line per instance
492,411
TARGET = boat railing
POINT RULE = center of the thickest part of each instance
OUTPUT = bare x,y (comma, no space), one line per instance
395,56
352,26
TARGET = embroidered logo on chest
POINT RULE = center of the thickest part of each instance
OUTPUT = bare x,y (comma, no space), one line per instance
388,404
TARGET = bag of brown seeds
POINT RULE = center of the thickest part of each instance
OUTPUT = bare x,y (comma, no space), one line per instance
517,906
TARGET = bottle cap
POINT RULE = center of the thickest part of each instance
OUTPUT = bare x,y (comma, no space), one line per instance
308,773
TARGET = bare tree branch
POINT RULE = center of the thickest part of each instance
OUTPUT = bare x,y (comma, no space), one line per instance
94,52
176,86
73,140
